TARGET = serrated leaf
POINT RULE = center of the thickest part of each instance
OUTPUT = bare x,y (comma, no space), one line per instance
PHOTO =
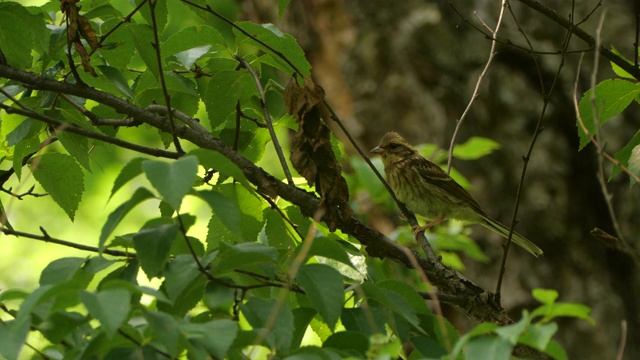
172,180
128,172
160,12
60,176
611,98
153,246
111,307
325,288
119,213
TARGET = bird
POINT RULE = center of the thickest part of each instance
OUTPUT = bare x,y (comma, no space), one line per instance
427,190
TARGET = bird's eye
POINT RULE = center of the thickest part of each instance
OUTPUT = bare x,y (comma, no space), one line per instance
394,146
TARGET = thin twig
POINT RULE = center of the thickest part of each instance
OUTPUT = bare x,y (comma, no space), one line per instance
593,100
476,91
167,98
267,118
568,24
527,157
623,340
47,238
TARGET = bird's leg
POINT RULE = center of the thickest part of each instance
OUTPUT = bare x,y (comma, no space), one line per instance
419,229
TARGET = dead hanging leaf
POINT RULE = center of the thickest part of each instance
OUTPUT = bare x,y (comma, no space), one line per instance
311,152
78,25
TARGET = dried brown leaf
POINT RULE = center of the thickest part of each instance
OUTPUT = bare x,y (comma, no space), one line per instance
311,152
87,32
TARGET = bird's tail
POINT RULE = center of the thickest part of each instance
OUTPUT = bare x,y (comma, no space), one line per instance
517,238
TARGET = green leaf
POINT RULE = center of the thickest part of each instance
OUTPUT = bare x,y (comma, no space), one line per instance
119,47
281,42
539,336
242,255
160,11
611,98
118,80
128,172
556,351
119,213
21,150
475,148
488,347
277,231
190,38
273,318
182,90
172,180
429,347
512,332
60,176
617,69
222,91
165,329
545,296
77,146
302,316
393,301
549,312
180,272
237,214
349,341
110,307
61,324
13,334
20,33
61,270
408,293
216,336
153,246
329,248
215,161
218,297
325,288
369,320
625,156
141,36
282,6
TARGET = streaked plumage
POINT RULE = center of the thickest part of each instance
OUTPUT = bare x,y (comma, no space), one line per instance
429,191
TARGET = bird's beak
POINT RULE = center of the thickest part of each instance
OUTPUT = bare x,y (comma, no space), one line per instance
377,150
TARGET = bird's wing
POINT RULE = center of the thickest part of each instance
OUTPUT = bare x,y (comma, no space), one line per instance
438,177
